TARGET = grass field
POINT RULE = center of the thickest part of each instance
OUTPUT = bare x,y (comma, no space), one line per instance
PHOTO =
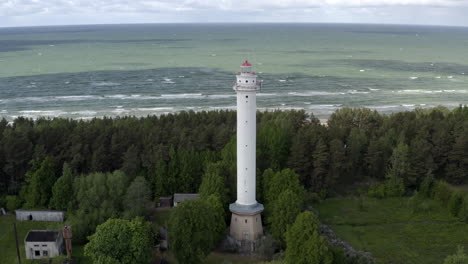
7,238
396,230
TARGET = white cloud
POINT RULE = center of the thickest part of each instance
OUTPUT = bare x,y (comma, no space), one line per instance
24,12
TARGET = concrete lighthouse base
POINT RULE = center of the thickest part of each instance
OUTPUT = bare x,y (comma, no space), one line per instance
246,222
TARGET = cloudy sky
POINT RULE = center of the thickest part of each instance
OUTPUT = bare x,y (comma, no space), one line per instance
61,12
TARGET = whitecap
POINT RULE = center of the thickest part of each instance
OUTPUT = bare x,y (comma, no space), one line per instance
313,93
168,81
85,112
437,77
281,80
449,77
222,107
218,96
155,109
120,110
98,84
362,70
185,95
76,97
120,96
356,92
413,77
266,94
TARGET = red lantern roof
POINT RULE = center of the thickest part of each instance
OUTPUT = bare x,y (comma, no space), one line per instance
246,63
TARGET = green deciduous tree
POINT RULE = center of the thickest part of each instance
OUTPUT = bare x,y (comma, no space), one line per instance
283,212
122,242
137,198
39,181
304,245
193,230
213,182
62,191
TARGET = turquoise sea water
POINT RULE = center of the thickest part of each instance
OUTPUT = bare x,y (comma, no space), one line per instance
95,71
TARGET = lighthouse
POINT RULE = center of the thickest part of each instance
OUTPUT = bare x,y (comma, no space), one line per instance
246,221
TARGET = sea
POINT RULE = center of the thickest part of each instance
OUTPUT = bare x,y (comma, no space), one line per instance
89,71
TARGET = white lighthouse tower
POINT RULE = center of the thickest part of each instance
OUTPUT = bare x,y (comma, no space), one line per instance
246,221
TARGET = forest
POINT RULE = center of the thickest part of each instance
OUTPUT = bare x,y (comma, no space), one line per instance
102,168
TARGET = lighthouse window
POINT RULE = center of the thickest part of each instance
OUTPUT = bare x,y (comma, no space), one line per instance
246,81
246,96
246,221
253,81
239,80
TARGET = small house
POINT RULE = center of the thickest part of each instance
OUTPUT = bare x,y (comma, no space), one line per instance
165,202
43,244
39,215
180,197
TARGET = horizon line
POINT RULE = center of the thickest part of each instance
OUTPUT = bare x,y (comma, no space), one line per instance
234,23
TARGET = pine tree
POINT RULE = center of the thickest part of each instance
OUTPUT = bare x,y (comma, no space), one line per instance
319,181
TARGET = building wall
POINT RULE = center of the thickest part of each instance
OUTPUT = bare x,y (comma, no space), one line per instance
25,215
52,249
246,227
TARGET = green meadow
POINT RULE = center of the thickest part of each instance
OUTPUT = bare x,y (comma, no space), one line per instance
396,230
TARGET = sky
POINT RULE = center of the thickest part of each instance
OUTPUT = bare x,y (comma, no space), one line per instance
71,12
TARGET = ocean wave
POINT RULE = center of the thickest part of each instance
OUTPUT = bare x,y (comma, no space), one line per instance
266,94
85,112
120,110
313,93
132,97
218,96
222,107
184,95
154,109
420,91
77,97
98,84
356,92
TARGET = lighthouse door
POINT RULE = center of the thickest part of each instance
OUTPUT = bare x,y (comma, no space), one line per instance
245,235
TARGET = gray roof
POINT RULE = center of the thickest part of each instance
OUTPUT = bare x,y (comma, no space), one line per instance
42,236
43,211
179,197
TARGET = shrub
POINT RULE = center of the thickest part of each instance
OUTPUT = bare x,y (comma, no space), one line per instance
377,191
426,189
463,213
455,203
268,246
458,258
394,187
442,192
13,202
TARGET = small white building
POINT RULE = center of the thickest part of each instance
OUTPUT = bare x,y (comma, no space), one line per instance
43,244
180,197
39,215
